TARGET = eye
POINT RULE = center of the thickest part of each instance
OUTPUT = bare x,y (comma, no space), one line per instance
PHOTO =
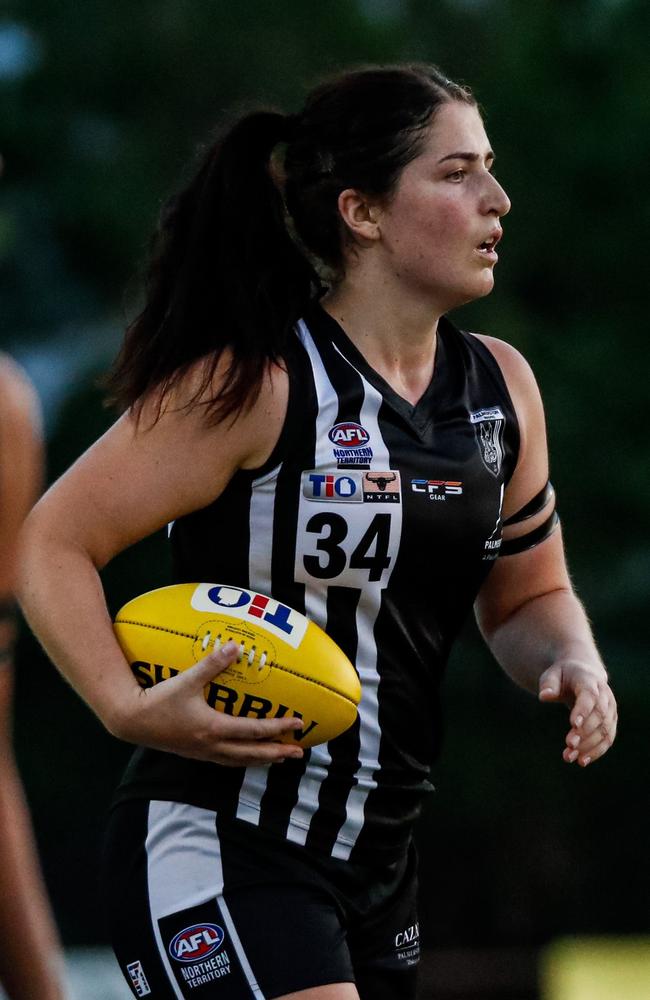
457,176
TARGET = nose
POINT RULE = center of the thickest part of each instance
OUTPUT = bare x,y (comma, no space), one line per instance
495,199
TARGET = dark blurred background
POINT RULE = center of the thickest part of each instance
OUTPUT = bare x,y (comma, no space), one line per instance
102,105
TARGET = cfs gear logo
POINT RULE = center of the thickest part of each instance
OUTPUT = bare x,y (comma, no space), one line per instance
437,489
345,488
276,618
488,425
196,943
381,487
351,443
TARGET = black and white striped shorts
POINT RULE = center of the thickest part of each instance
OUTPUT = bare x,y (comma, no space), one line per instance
209,909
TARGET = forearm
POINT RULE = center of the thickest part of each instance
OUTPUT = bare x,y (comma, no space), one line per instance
31,963
549,629
61,595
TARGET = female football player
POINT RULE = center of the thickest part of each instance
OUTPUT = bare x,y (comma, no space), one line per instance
295,327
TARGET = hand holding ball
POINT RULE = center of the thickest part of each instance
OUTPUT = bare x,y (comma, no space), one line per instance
287,666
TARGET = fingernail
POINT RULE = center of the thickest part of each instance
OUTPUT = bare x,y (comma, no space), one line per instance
574,740
586,761
298,723
573,756
229,648
579,721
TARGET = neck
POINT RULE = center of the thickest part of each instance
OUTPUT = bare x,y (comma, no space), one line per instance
396,335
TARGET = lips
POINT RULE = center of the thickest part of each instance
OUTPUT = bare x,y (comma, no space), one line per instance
488,245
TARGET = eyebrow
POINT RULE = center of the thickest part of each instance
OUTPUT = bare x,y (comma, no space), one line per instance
472,157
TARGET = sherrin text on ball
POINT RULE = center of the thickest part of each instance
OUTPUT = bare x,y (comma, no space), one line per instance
287,665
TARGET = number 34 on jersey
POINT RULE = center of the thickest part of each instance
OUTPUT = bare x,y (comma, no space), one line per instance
349,527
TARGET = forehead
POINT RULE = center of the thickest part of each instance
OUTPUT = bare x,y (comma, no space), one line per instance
456,127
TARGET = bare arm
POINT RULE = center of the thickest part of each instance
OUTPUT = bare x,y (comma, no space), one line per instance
134,480
31,963
527,609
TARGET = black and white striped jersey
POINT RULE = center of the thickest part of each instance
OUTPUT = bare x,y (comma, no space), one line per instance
380,521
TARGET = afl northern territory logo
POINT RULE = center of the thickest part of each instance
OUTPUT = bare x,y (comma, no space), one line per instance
349,435
351,443
196,943
488,425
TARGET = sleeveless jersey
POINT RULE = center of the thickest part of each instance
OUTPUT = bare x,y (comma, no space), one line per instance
380,521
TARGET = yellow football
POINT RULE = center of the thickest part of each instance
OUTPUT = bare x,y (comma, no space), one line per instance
287,665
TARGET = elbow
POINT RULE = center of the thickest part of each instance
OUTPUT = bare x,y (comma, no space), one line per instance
490,619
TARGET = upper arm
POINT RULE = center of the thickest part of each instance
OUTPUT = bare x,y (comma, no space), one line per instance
145,472
516,579
21,463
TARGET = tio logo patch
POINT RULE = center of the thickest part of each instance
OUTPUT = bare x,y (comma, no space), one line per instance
343,488
196,943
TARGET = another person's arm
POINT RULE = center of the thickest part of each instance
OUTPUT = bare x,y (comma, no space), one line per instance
31,963
134,480
527,610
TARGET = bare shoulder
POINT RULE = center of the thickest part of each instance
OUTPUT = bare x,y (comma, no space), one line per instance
251,433
516,370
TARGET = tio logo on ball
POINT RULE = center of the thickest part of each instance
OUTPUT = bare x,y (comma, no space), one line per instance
196,943
280,620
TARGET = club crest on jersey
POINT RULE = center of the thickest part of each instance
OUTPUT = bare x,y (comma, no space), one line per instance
488,425
196,943
281,621
342,488
351,443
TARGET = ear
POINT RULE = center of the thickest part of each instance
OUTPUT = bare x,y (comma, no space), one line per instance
359,214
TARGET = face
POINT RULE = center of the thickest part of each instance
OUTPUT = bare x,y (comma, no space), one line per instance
439,231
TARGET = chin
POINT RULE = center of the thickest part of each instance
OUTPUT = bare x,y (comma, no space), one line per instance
466,295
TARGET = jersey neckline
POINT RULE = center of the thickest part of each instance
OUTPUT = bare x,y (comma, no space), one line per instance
418,415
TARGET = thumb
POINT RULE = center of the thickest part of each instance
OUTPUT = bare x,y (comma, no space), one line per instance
212,664
550,684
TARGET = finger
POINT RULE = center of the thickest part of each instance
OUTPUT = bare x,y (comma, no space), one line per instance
589,743
585,759
211,665
550,684
586,699
602,715
240,729
247,754
591,747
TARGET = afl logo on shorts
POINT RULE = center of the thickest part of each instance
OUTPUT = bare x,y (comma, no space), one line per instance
196,943
349,435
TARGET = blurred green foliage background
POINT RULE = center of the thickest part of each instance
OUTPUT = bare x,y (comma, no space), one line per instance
102,105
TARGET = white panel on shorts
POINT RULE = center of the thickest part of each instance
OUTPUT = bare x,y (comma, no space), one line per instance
184,869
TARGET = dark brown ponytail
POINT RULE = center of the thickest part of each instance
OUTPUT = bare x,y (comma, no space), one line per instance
225,270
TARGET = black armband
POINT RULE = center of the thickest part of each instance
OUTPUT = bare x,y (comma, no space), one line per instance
533,506
512,546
